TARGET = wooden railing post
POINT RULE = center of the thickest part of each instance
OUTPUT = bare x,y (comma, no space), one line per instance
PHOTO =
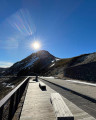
11,108
1,112
17,99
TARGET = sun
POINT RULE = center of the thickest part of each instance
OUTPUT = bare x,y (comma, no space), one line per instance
36,45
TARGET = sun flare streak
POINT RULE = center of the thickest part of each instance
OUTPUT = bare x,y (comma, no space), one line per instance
21,21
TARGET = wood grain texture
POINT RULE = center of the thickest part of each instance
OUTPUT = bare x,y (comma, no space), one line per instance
37,104
61,110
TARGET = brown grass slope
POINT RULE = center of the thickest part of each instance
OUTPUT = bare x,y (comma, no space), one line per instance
81,67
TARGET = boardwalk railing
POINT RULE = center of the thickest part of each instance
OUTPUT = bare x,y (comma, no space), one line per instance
9,104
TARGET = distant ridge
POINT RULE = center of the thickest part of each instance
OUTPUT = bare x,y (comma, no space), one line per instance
81,67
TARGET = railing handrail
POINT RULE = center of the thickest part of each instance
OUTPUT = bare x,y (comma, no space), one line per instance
7,97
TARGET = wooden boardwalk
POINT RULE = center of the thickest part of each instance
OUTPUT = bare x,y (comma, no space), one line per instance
37,105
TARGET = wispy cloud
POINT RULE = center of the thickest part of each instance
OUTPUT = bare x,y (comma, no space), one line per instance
4,64
10,43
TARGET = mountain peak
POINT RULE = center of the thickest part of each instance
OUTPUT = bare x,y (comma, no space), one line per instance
43,54
42,51
34,63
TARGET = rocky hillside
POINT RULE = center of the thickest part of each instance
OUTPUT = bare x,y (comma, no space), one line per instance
2,70
35,63
82,67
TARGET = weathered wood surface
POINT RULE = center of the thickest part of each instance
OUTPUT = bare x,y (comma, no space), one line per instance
61,110
42,86
37,105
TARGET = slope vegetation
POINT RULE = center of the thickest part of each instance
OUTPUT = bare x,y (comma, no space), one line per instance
82,67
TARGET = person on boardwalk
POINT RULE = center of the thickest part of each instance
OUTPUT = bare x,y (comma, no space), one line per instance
36,78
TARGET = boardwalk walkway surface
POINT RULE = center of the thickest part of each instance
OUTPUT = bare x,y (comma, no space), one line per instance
37,105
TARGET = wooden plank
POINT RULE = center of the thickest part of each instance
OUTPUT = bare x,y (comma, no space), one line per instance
42,86
37,104
62,112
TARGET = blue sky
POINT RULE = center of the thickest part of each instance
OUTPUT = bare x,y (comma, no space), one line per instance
65,28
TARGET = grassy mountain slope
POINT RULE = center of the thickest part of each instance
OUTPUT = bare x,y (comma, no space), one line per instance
82,67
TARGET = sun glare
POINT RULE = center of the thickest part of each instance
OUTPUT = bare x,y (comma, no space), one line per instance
36,45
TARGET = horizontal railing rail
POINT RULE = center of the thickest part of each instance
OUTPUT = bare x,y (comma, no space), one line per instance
9,104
